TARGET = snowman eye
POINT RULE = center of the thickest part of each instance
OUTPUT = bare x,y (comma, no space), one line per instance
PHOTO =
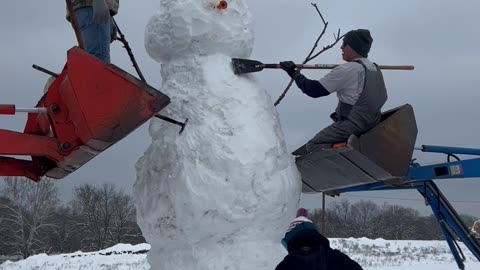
222,5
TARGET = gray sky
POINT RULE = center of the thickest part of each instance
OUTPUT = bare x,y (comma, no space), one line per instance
438,37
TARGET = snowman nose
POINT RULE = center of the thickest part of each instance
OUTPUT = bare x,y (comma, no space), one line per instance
222,5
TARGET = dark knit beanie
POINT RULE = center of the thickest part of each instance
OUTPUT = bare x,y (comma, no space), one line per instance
359,40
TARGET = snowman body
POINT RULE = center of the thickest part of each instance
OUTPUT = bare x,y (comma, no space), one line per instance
219,195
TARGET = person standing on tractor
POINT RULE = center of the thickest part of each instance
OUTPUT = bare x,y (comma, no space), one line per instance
359,86
309,250
94,18
96,26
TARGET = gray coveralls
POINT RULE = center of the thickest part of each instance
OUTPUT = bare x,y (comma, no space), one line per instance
354,119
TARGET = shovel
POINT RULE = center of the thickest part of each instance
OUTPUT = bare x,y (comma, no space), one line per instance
241,66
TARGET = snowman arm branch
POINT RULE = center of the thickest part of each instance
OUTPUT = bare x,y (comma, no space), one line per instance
312,53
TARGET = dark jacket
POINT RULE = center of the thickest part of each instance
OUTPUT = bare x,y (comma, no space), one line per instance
309,250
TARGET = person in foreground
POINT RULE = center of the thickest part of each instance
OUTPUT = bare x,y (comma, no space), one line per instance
309,250
359,86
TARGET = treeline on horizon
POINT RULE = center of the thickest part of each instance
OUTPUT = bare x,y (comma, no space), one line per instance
34,220
390,222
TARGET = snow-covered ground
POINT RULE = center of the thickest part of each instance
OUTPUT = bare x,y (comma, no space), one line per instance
371,254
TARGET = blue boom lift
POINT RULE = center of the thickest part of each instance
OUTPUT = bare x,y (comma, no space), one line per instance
381,159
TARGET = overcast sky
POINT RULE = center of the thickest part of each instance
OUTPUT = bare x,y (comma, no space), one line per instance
440,38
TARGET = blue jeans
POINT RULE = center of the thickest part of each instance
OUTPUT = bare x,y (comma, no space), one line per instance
96,37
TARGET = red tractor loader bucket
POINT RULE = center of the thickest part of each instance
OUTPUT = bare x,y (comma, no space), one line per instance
90,106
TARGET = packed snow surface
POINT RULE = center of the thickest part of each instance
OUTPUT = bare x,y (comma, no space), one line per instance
371,254
221,194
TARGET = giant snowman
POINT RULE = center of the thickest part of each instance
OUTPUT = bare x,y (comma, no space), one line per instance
221,194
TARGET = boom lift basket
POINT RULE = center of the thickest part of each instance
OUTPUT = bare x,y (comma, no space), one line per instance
382,154
90,106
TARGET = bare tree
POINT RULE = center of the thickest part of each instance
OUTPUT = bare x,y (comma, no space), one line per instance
106,206
5,237
364,217
124,226
429,229
399,222
339,222
86,203
28,213
63,236
106,216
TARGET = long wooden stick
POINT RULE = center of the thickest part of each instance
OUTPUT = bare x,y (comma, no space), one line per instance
331,66
74,22
140,74
129,51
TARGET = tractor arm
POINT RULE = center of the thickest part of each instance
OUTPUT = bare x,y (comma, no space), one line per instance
89,107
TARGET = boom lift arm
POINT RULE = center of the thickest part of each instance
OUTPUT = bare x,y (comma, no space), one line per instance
421,178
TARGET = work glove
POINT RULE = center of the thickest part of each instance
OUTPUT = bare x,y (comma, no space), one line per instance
289,67
101,12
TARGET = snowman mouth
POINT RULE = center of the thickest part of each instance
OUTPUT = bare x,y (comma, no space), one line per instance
222,5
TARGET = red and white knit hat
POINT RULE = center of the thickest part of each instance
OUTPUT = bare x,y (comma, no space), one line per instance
301,217
292,230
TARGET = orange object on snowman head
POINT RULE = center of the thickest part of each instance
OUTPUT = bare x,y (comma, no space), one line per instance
222,5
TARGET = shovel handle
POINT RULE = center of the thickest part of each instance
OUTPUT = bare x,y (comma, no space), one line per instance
331,66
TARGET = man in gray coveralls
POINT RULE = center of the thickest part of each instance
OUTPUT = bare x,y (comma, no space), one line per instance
359,86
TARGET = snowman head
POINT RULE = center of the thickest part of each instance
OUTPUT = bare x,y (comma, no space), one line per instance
183,28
